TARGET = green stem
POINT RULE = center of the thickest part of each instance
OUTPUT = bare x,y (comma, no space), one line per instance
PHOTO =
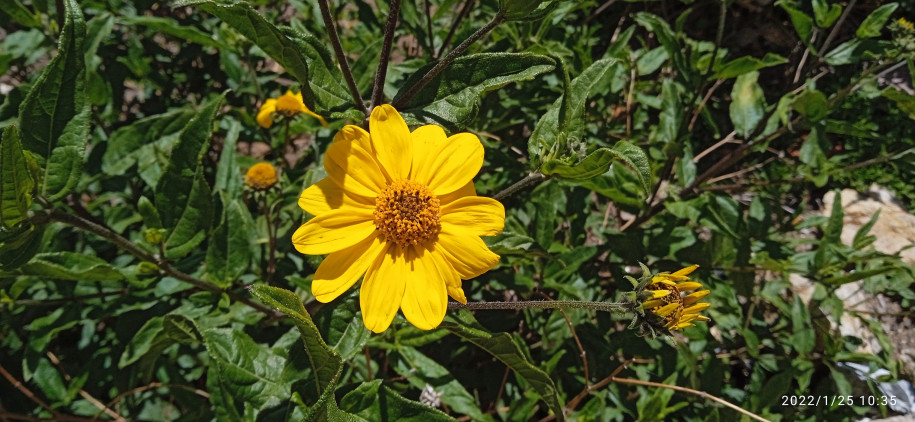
521,184
448,59
271,236
620,307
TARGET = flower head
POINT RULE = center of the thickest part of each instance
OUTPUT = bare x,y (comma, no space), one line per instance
665,304
288,104
399,207
904,23
261,176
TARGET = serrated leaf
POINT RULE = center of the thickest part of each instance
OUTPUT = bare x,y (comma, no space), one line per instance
248,370
18,245
146,143
54,115
421,371
243,18
342,326
325,362
746,64
229,248
183,197
502,347
374,401
16,182
599,161
875,21
325,78
171,27
157,334
546,133
748,104
68,266
452,98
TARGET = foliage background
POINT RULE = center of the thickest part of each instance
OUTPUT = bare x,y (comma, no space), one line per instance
136,119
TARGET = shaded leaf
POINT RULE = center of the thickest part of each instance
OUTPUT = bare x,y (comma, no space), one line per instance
502,347
146,143
229,247
373,401
20,13
16,182
171,27
803,23
69,266
18,245
421,371
668,39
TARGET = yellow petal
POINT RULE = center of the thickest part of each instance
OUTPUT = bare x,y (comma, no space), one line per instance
351,164
682,326
659,293
466,252
663,280
694,297
467,190
265,114
392,141
425,298
479,215
325,195
666,309
340,270
455,164
688,286
333,231
699,307
653,303
383,289
427,141
445,270
685,271
457,293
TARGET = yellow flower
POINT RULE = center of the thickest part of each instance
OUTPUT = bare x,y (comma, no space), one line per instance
400,208
905,24
261,176
288,104
667,302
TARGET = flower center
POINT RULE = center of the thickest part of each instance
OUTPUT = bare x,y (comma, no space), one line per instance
674,296
407,213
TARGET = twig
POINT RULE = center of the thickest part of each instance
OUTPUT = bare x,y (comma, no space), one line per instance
708,95
378,87
83,392
702,394
28,393
454,26
835,28
725,140
152,385
429,35
544,304
582,354
341,57
106,233
527,180
52,302
448,59
501,387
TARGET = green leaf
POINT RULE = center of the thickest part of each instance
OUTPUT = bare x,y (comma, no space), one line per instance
170,26
526,10
248,370
182,195
502,347
373,401
875,22
825,14
16,182
342,327
832,233
746,64
325,77
229,248
862,238
148,143
547,137
855,50
812,105
325,362
452,98
421,371
20,13
49,380
54,115
69,266
599,161
157,334
668,39
265,35
748,104
671,116
228,174
18,245
803,23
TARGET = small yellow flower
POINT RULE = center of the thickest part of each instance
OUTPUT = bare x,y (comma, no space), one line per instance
288,104
400,208
667,301
261,176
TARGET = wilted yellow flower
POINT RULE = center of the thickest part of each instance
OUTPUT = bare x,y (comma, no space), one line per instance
668,302
903,22
261,176
288,104
400,208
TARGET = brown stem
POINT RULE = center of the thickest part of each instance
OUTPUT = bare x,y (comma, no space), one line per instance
25,391
341,57
702,394
378,87
166,268
83,393
521,184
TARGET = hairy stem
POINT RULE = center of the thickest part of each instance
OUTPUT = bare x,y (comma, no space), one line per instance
620,307
448,59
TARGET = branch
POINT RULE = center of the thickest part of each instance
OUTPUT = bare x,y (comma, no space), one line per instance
521,184
338,51
378,87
